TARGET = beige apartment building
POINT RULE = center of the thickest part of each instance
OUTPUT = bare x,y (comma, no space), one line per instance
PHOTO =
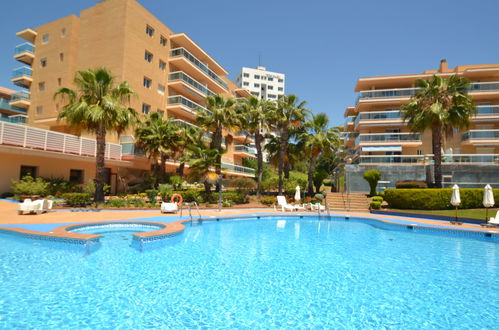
375,135
169,72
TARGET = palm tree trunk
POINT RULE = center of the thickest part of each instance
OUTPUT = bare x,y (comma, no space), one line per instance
282,155
259,167
100,164
436,137
287,166
180,169
217,141
207,186
311,170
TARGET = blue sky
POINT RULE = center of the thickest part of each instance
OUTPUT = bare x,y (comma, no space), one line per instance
323,47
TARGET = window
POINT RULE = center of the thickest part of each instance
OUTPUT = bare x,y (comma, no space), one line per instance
149,31
270,79
146,108
39,110
45,38
281,80
245,83
161,89
59,81
270,87
162,41
43,62
148,56
419,152
263,78
61,57
28,170
256,85
257,76
280,89
76,176
254,93
271,96
162,65
147,82
161,113
246,75
63,32
41,86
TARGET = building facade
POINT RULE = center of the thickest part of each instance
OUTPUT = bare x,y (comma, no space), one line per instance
375,135
169,72
266,85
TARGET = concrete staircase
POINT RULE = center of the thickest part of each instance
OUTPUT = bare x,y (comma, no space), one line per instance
348,202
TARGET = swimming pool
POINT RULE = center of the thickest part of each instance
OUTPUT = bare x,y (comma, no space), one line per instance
275,272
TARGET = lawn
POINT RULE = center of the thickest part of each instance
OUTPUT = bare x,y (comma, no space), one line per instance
469,213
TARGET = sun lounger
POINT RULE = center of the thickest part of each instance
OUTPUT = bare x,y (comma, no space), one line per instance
39,206
317,207
493,221
281,201
169,207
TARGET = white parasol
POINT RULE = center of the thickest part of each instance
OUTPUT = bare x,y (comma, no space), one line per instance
488,199
297,194
455,199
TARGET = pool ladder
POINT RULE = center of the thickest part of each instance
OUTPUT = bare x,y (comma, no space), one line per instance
327,209
189,206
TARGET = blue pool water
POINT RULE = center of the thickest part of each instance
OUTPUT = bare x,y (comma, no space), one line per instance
254,273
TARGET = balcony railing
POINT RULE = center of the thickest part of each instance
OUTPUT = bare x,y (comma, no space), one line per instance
484,87
25,47
246,149
350,135
349,119
428,159
40,139
179,99
398,159
388,137
487,110
378,115
15,119
203,67
183,123
131,149
179,75
490,134
22,71
20,95
4,104
238,168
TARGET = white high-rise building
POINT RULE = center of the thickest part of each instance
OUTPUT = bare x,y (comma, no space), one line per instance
261,83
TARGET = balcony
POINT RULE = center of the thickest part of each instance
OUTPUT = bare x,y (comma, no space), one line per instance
349,120
241,170
387,93
489,137
25,53
379,118
397,159
408,139
183,123
349,139
187,62
243,136
479,87
15,119
22,77
428,159
244,151
184,83
45,140
183,105
27,34
20,100
486,113
6,106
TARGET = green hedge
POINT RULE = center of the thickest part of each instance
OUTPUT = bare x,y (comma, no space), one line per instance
435,199
77,199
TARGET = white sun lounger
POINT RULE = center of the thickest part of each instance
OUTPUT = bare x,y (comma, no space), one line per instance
39,206
281,201
494,221
169,207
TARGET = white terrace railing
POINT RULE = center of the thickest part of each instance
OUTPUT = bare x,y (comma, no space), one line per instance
41,139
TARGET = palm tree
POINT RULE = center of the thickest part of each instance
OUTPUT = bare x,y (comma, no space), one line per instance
221,116
288,113
253,114
318,139
202,159
156,136
441,104
97,105
188,135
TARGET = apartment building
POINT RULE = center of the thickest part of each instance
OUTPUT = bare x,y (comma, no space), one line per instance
375,135
266,85
169,72
12,106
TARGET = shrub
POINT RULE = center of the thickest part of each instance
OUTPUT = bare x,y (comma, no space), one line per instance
327,182
29,186
151,195
319,197
77,199
176,181
268,200
408,184
372,177
116,203
136,202
242,183
319,176
271,183
236,197
226,204
375,205
434,199
377,199
164,191
6,195
57,186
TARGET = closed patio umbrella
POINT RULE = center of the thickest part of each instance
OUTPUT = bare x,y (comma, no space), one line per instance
297,194
488,200
455,200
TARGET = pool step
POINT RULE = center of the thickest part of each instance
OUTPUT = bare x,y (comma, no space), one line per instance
348,202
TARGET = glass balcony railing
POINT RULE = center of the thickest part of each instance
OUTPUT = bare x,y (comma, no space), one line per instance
388,137
179,75
238,168
350,135
378,115
22,71
16,119
25,47
399,159
203,67
487,110
484,87
131,149
481,135
246,149
21,95
349,119
428,159
472,158
179,99
4,104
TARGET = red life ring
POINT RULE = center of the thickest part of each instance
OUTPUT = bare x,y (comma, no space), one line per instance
180,199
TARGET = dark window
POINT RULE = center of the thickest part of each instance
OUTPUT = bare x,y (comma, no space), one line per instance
162,41
149,31
147,82
76,176
162,65
148,56
146,108
43,62
28,170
